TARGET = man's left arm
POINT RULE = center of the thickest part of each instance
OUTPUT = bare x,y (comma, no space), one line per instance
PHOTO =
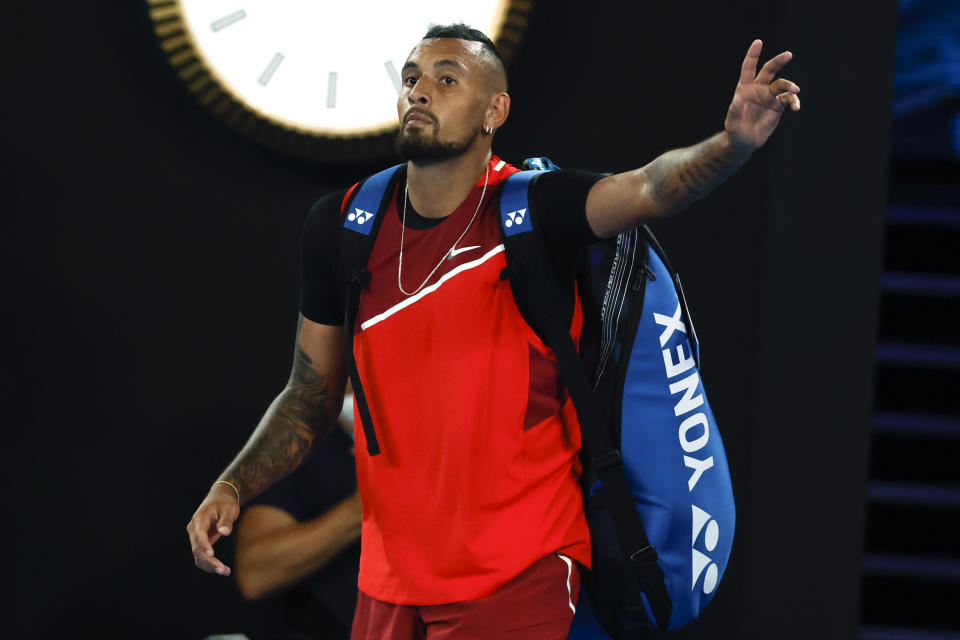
681,176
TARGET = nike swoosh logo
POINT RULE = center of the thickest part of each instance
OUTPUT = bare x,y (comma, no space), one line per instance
455,252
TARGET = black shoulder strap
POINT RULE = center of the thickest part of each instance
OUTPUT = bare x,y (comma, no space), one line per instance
361,222
539,295
685,310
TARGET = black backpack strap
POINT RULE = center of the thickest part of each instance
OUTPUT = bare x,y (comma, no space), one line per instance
687,318
361,222
539,295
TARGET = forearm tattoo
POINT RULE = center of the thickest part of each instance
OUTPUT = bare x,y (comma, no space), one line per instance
299,416
679,177
702,175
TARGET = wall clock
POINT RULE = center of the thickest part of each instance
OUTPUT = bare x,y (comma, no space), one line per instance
315,79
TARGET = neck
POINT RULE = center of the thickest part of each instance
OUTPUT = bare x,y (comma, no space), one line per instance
436,189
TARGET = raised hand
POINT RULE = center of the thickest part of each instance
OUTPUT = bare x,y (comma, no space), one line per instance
760,99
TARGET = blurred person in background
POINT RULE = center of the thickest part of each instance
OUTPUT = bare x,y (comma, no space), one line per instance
298,545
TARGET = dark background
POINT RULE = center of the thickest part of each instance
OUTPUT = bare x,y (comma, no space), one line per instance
151,257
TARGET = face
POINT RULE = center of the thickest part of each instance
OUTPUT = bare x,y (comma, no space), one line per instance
443,99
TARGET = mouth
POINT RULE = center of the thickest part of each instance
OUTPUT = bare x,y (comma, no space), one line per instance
418,117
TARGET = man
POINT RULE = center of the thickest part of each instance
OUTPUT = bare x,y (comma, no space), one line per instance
473,521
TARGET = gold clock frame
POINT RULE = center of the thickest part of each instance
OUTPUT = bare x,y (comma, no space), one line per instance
285,137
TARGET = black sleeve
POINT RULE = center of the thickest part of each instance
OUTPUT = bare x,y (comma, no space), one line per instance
559,201
319,300
560,204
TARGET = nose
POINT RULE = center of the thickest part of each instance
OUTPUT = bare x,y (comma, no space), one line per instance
419,93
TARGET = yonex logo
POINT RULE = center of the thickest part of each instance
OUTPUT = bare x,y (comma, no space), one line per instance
515,218
360,216
701,562
694,430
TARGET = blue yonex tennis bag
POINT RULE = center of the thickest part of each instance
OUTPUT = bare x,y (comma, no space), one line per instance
657,488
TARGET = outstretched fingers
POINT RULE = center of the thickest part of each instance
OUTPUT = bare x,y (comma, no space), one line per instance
760,99
773,66
749,68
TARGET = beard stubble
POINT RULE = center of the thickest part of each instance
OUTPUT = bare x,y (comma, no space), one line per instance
421,146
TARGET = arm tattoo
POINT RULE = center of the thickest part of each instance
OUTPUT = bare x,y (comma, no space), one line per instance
299,416
679,177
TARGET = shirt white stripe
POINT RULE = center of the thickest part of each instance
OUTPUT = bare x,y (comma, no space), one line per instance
499,165
409,301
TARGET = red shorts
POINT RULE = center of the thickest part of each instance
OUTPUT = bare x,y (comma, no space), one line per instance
536,605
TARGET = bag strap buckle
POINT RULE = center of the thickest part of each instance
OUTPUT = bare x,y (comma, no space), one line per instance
642,555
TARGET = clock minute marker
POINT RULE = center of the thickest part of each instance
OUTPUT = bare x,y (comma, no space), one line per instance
394,76
332,90
271,68
226,21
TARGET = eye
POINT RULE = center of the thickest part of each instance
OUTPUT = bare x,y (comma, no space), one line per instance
448,80
410,80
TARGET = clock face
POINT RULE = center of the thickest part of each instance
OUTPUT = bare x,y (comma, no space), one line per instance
314,68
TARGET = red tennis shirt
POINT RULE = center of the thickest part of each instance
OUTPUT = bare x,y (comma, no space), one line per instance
478,475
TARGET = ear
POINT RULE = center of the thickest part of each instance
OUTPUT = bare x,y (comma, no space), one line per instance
497,110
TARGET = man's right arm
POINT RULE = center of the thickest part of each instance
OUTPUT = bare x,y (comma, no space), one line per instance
303,413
